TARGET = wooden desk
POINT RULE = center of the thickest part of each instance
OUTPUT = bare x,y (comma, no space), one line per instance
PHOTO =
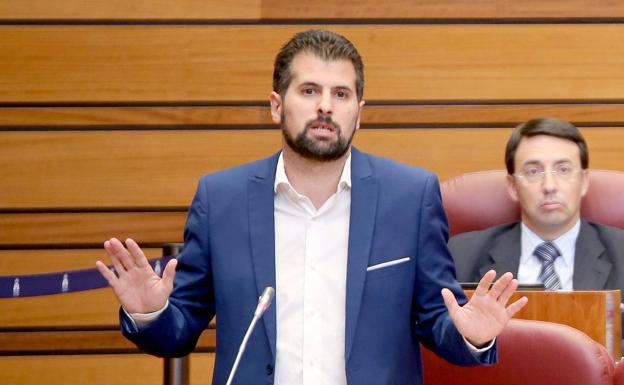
595,313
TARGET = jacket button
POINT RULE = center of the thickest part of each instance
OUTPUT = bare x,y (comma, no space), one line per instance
269,369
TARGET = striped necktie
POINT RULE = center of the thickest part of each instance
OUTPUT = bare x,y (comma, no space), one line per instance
547,253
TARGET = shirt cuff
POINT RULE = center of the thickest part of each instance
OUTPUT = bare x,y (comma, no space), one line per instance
477,352
141,320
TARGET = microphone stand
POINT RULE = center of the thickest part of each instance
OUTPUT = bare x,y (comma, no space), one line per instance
263,304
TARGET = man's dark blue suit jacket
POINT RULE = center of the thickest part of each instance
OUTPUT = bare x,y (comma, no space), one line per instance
229,258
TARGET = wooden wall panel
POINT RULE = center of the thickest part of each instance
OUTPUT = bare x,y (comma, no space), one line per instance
41,342
154,10
89,229
128,369
119,168
119,369
65,342
201,364
312,9
101,369
231,117
441,9
201,368
22,262
93,309
161,168
228,63
63,118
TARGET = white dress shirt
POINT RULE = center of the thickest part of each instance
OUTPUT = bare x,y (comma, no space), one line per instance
531,266
311,249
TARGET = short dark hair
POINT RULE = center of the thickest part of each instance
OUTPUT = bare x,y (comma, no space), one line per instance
545,126
326,45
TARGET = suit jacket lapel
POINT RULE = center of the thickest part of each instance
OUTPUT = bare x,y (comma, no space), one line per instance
262,234
364,190
590,270
505,253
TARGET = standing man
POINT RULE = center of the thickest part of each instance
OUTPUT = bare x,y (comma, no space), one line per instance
547,162
354,245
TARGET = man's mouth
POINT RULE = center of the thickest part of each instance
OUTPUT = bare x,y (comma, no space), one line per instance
550,205
323,127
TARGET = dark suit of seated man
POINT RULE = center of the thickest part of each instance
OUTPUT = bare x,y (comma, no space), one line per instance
547,161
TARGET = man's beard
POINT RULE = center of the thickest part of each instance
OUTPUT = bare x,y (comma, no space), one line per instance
319,150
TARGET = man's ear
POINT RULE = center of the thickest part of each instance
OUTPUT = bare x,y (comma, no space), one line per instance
276,107
360,108
584,181
512,188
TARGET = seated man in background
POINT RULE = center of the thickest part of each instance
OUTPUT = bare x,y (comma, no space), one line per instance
547,162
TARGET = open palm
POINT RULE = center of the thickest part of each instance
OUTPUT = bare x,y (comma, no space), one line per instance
486,313
137,287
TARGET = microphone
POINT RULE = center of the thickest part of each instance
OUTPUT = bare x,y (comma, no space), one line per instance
263,304
264,301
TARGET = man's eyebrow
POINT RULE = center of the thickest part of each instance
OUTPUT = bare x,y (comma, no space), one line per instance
338,87
532,163
536,162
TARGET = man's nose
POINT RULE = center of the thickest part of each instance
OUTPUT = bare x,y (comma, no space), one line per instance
325,103
549,183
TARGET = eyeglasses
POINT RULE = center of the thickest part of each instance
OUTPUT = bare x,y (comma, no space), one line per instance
536,175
